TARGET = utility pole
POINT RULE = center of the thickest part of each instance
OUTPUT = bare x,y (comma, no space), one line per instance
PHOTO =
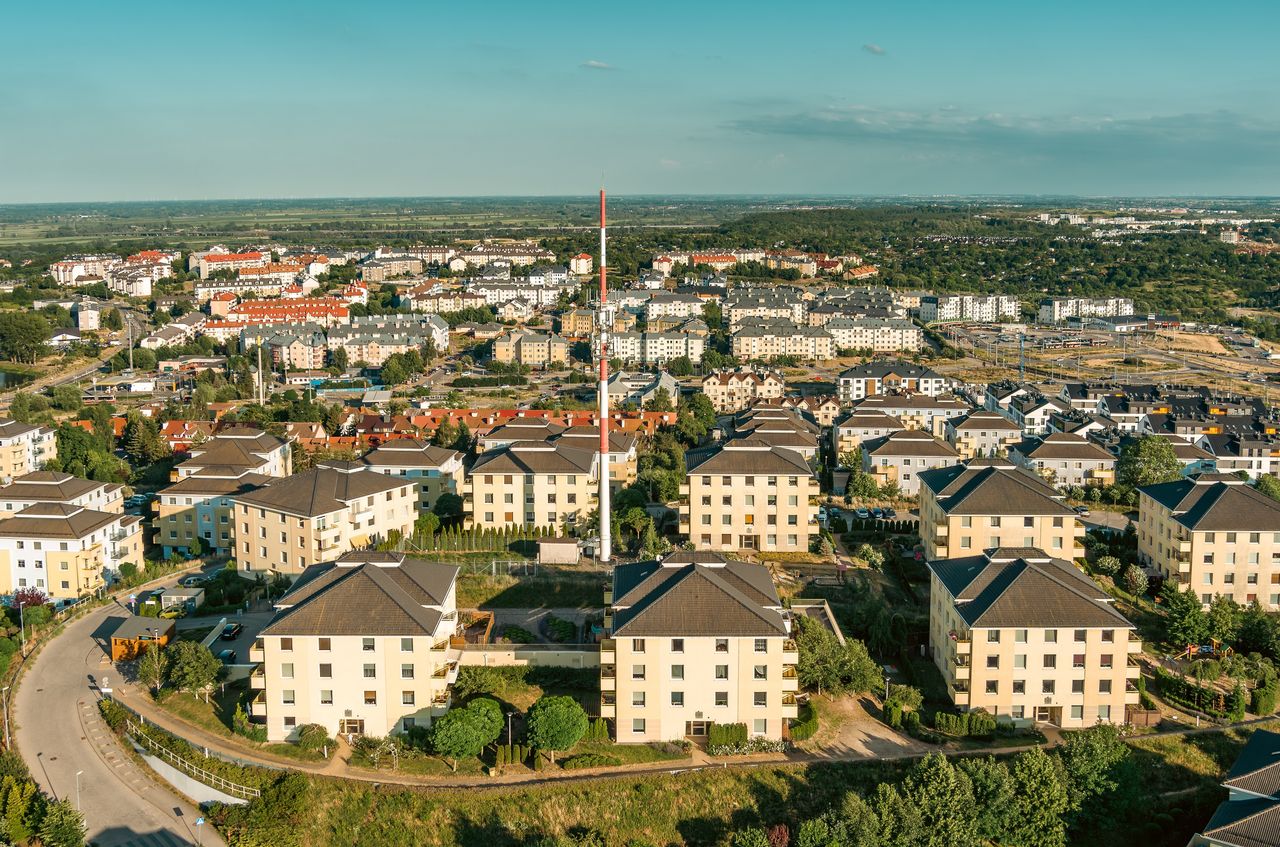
128,322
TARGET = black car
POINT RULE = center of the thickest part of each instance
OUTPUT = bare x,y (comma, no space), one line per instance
232,631
889,513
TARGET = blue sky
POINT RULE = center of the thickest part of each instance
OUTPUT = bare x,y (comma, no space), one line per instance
138,100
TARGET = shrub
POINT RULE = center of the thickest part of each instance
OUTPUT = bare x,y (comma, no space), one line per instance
1107,565
892,716
1262,699
1135,580
590,760
726,734
518,635
1188,694
905,697
1235,704
314,737
241,725
806,723
113,713
981,724
598,730
561,630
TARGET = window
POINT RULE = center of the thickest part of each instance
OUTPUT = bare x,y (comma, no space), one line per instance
1019,686
760,672
325,644
370,671
287,696
406,645
366,644
722,698
677,671
326,697
1108,636
1080,636
677,698
677,645
326,671
290,722
1047,687
637,671
993,662
286,670
993,687
1020,636
1077,686
722,671
762,645
637,698
1104,713
722,645
761,698
406,671
407,698
1104,686
371,698
1050,660
1077,713
286,643
637,645
1077,660
1106,660
993,636
637,725
1020,660
760,726
1051,636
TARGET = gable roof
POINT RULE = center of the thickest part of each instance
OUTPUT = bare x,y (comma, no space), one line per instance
326,488
698,594
992,487
909,442
1216,502
1257,768
1245,823
747,456
1062,445
1025,587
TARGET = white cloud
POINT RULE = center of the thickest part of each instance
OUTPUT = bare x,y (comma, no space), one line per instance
596,65
874,49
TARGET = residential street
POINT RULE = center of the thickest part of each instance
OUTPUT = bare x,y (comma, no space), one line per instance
58,732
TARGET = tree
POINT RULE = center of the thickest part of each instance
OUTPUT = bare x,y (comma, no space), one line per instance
752,837
1269,485
556,723
1107,565
464,732
943,798
993,789
192,666
827,665
24,336
661,402
1090,760
1185,620
338,358
680,366
393,372
1147,460
1039,802
112,320
153,667
62,825
448,506
1135,580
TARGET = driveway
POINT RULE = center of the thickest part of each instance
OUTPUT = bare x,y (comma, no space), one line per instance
253,623
1103,519
59,734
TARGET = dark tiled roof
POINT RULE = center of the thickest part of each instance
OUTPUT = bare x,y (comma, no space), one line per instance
908,442
859,418
1061,445
523,457
695,595
365,593
409,452
59,520
323,489
50,486
206,483
1021,587
1245,823
747,456
984,420
992,488
1257,768
879,370
1216,502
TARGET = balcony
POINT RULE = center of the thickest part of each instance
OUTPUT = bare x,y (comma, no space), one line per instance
964,646
1184,545
258,706
257,652
789,672
940,529
445,670
608,683
789,646
441,700
608,705
961,672
608,596
258,679
608,650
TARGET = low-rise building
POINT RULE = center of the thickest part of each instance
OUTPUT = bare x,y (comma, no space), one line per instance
436,470
733,390
747,494
1029,637
535,349
195,513
890,376
238,448
24,448
58,487
695,640
900,457
965,509
1212,534
859,426
917,411
1250,816
319,514
980,434
533,484
66,551
1066,460
361,646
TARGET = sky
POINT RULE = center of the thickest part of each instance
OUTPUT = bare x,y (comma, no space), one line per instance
150,101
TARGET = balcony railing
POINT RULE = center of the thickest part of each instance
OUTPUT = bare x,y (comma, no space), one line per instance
444,670
258,679
789,646
258,705
789,672
257,653
940,529
788,699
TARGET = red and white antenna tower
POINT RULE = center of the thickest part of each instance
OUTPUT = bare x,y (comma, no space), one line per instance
604,321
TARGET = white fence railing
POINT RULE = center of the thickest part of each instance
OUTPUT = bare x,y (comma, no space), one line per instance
194,771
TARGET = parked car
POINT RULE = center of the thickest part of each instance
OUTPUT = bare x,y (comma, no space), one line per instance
877,513
889,513
232,631
193,580
1082,511
862,514
227,657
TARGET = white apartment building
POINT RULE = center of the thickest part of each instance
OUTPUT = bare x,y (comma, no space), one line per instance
884,377
1055,310
57,487
361,646
24,448
656,348
66,551
982,308
879,335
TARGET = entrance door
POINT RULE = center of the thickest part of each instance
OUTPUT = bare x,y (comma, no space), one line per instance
1042,714
696,728
351,726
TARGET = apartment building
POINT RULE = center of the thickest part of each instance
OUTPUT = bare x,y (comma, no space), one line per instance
66,551
360,645
1064,459
24,448
375,338
58,487
988,503
638,388
436,470
388,267
239,448
1212,534
982,308
1054,310
535,349
777,427
692,640
732,390
860,426
577,323
210,263
900,457
1029,637
318,514
917,411
582,265
197,510
427,298
532,483
890,376
822,409
325,311
752,305
766,339
981,433
877,335
747,494
657,348
670,304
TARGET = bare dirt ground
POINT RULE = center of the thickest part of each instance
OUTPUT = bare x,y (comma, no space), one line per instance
847,727
1194,342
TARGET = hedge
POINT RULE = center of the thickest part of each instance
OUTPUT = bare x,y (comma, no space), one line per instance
590,760
978,724
805,725
1190,695
1262,700
726,734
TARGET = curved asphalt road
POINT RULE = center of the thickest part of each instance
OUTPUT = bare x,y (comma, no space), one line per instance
58,732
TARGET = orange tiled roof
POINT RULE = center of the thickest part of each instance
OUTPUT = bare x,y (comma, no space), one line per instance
214,258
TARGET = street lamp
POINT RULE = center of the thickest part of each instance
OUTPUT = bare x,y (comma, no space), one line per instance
78,773
509,716
5,692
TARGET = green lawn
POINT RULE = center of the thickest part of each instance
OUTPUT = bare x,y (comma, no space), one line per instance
566,589
215,717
